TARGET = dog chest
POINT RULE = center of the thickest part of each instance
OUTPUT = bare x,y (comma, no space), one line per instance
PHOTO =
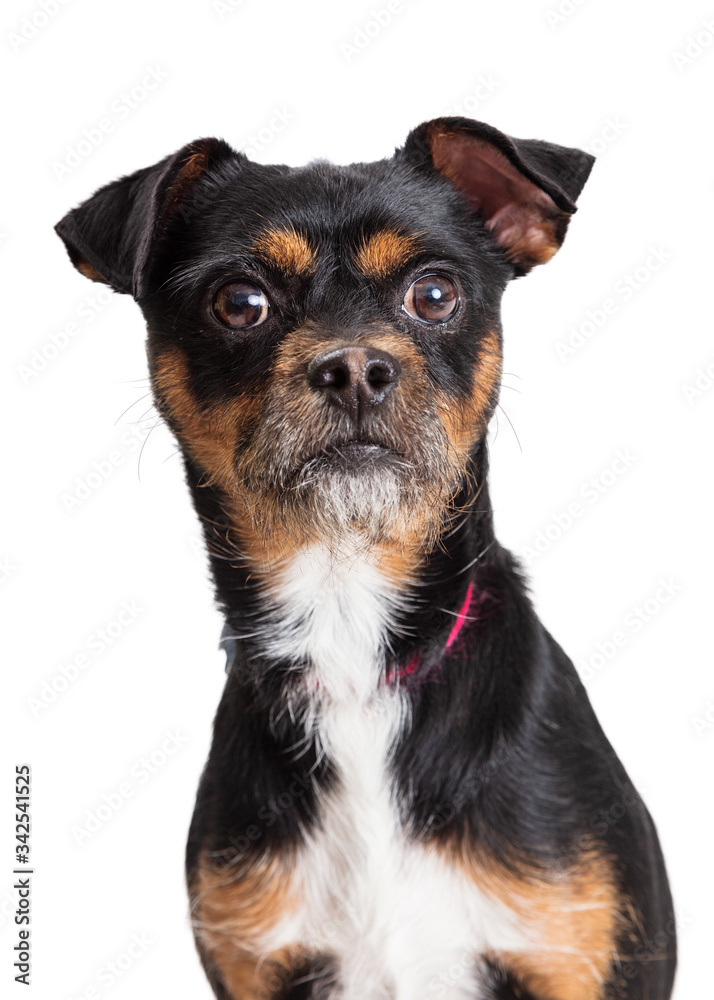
400,922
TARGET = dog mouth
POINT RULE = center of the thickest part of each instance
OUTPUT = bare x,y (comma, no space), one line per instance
376,482
354,455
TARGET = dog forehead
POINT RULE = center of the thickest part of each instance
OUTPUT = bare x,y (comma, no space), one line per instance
295,218
318,193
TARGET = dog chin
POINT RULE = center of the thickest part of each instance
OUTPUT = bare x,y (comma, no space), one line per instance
366,490
378,496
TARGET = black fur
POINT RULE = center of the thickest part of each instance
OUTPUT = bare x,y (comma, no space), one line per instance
504,750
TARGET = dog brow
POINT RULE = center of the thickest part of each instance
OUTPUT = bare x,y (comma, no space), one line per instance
286,249
385,252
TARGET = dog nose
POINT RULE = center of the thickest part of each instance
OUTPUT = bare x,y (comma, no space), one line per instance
354,378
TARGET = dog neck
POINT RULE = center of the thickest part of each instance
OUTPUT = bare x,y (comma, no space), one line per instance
398,612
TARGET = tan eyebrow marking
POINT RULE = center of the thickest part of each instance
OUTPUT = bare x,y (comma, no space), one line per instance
287,250
384,252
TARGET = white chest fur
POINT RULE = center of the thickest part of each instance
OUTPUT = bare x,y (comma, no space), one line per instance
400,922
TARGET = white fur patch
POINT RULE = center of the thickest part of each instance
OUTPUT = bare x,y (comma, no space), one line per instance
332,610
400,922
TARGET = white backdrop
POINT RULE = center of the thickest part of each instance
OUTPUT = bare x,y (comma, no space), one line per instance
601,456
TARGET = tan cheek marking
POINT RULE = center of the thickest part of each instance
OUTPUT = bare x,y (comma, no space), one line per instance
232,914
385,252
577,915
287,250
466,422
209,434
265,550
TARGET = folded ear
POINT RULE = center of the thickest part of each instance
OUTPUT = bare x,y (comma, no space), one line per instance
523,189
110,237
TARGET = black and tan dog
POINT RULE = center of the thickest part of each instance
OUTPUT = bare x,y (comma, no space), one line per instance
408,795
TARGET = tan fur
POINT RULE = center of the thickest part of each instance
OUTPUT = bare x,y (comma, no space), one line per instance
535,246
232,913
466,422
385,252
295,405
89,271
237,445
400,564
209,434
192,168
577,916
287,250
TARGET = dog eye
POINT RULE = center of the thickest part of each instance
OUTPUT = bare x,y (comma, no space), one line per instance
240,305
432,298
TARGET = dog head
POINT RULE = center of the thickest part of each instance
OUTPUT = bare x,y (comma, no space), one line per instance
325,341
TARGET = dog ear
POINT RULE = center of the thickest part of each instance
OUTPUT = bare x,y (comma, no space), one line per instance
523,189
110,236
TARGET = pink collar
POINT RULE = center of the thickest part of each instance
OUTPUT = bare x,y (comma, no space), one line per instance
399,673
461,618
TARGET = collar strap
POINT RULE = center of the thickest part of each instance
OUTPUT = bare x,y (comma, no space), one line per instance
462,617
229,643
401,672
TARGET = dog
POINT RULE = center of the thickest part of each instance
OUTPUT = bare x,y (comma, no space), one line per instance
408,794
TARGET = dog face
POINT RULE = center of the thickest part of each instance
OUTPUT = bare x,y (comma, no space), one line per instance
325,341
